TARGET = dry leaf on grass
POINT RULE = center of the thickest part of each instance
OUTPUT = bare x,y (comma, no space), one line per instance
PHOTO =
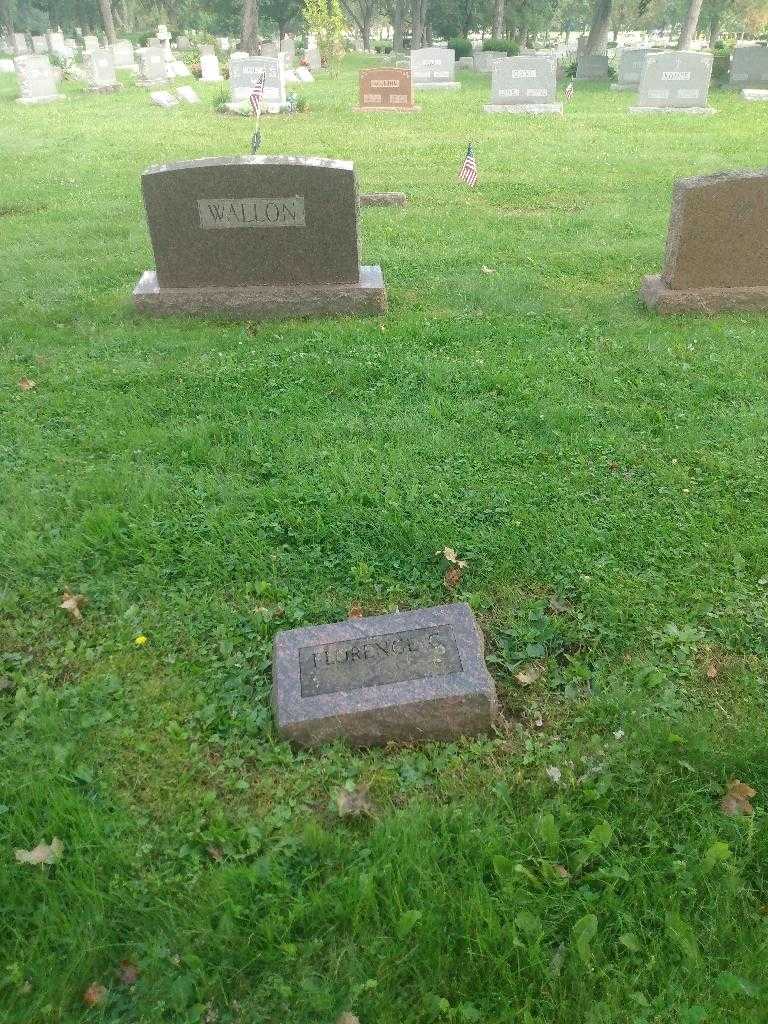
353,803
558,607
26,384
42,853
533,670
355,611
94,994
488,270
347,1018
128,972
736,798
560,870
215,853
712,671
450,556
452,577
72,603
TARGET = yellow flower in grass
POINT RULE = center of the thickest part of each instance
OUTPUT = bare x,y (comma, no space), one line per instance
140,640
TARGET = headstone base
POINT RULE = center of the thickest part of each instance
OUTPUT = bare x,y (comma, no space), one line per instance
244,107
382,199
388,110
437,85
367,297
658,297
618,87
755,95
40,99
105,88
696,111
523,108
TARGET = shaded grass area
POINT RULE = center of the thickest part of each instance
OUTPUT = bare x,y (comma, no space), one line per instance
205,484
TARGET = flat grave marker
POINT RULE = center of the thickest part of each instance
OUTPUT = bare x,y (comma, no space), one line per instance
717,246
524,85
410,676
305,75
188,94
256,237
164,99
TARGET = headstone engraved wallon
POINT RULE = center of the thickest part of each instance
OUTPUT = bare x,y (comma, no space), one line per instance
717,246
524,85
256,237
675,82
410,676
386,89
433,68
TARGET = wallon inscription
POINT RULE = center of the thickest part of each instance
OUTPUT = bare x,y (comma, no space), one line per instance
378,660
252,213
407,676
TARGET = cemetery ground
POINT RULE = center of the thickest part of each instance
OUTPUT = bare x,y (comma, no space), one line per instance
601,470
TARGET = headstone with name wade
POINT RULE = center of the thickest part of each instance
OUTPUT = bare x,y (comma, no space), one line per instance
100,71
717,246
433,67
675,82
256,237
410,676
386,89
243,74
630,70
37,83
524,85
592,68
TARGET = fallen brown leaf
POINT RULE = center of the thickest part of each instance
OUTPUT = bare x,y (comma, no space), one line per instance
26,384
355,611
215,853
533,670
42,853
347,1018
452,577
712,671
128,972
558,607
94,994
72,603
563,872
736,799
353,803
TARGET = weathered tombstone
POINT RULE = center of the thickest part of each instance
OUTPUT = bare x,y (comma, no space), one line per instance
55,40
20,44
152,68
256,237
224,43
465,64
410,676
592,68
484,60
37,82
163,99
290,77
183,43
433,67
305,75
178,69
207,48
630,70
524,85
755,95
188,94
100,71
386,89
90,43
288,47
39,45
209,68
749,67
243,74
314,59
122,54
717,246
270,49
675,82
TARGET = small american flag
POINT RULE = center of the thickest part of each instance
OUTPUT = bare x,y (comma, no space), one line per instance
468,172
569,91
257,93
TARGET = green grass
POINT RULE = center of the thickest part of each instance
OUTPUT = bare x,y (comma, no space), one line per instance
205,484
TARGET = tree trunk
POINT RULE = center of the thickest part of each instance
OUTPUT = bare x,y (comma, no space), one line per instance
249,33
106,17
6,23
689,25
428,35
714,30
398,16
498,19
418,17
598,30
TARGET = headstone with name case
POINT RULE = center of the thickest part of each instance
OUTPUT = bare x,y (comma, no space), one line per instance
524,85
256,237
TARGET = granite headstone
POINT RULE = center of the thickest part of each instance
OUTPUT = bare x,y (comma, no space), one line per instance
675,82
37,82
524,85
592,68
243,74
100,71
433,67
152,67
749,67
630,70
386,89
209,68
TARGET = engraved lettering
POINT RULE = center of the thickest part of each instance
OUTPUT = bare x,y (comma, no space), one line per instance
283,212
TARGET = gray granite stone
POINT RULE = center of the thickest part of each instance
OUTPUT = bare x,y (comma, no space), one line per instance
122,54
383,199
755,95
243,73
256,235
675,81
39,45
37,82
592,68
433,67
717,246
386,89
410,676
630,70
524,85
749,67
483,60
152,68
100,71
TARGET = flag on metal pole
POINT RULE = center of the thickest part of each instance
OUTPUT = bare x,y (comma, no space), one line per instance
468,172
257,93
569,90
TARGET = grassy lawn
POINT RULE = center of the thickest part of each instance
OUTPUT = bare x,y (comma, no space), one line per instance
204,484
